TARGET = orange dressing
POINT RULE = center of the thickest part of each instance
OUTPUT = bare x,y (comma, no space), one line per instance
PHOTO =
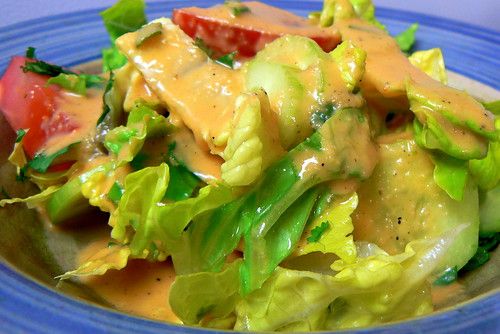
141,288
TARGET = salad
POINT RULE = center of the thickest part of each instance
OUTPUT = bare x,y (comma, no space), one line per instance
270,172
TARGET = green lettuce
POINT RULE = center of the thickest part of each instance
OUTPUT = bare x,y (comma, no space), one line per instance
134,221
31,201
334,10
442,126
256,215
451,175
377,287
183,182
431,62
126,141
123,17
336,238
403,187
406,39
201,297
111,257
489,215
351,63
151,227
252,144
486,172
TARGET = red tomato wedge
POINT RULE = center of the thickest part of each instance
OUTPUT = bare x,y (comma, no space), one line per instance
250,31
27,102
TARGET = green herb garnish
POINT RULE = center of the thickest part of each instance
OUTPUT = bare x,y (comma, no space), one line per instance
406,39
116,192
30,52
449,276
20,134
227,60
41,162
203,46
318,231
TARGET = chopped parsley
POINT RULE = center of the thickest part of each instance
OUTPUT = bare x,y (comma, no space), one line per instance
449,276
406,39
487,243
318,231
41,162
227,60
107,98
203,46
236,7
41,67
116,192
20,134
30,52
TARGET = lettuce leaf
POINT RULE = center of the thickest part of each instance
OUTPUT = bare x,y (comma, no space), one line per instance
451,175
431,62
263,252
351,63
213,236
135,220
336,238
31,201
377,287
441,126
253,142
401,202
489,215
406,39
123,17
182,181
334,10
126,141
486,172
111,257
194,303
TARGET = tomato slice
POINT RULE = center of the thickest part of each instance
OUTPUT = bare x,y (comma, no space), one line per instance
250,31
27,102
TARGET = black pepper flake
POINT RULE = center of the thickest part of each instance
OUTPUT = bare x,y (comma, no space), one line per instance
158,279
399,220
397,238
322,164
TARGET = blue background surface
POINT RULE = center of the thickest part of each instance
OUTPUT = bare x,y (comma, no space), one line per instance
484,13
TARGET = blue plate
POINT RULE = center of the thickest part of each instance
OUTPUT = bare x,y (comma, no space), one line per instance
30,307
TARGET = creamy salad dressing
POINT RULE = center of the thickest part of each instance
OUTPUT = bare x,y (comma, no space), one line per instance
201,92
141,288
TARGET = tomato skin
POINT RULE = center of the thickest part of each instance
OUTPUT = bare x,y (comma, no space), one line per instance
28,102
224,37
